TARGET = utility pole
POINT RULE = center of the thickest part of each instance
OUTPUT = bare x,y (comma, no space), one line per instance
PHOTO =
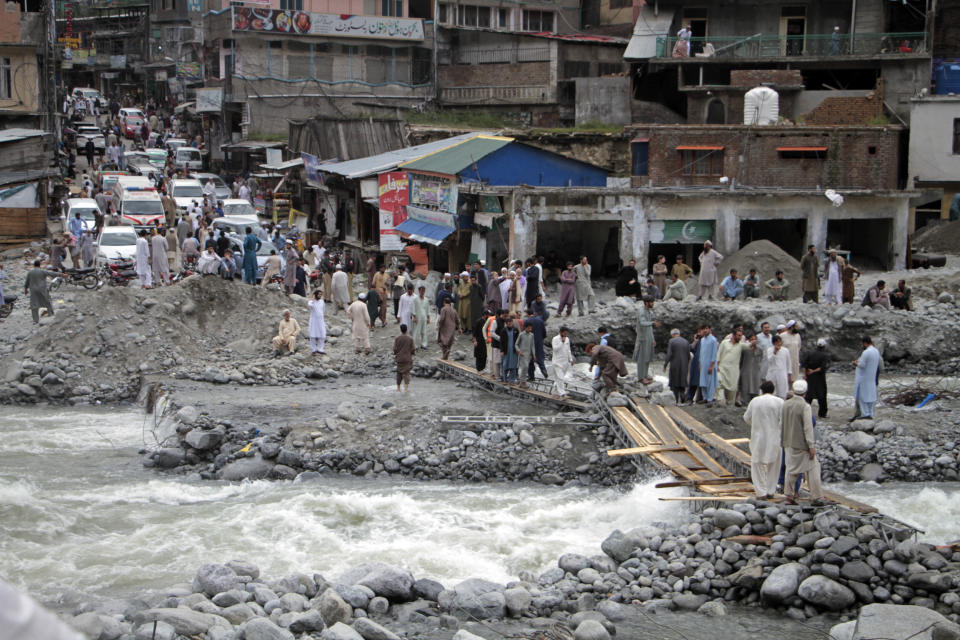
46,82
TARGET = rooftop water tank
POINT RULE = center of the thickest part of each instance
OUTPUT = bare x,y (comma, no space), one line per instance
761,106
948,79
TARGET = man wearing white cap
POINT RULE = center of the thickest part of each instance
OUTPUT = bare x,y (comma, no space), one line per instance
791,341
341,291
815,373
360,323
796,422
763,416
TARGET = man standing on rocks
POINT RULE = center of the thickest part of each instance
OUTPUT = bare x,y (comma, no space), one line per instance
421,318
286,334
763,416
867,377
317,327
708,365
403,350
792,342
360,327
728,360
678,362
643,347
289,266
448,324
405,307
480,342
562,360
539,329
341,292
380,285
611,364
36,284
810,267
778,367
796,423
815,373
251,244
584,287
143,261
709,261
158,258
568,283
462,291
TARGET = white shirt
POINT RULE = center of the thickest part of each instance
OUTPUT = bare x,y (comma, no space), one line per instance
763,416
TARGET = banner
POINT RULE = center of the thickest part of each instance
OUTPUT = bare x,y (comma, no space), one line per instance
281,21
189,70
682,231
438,218
311,166
393,194
210,100
118,62
433,192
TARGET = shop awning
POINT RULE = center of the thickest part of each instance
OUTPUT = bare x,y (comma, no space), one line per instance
424,231
699,147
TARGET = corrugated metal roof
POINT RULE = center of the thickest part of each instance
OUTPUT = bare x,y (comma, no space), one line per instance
643,44
30,175
455,159
363,167
16,134
286,164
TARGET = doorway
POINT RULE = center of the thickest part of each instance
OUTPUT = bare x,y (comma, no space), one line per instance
696,18
868,241
788,234
599,241
793,31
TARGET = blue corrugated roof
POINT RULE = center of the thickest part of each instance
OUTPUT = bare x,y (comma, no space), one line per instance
363,167
424,231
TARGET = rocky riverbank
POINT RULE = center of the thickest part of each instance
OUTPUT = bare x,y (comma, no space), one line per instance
804,564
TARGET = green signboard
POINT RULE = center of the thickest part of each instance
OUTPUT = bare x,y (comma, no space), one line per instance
681,231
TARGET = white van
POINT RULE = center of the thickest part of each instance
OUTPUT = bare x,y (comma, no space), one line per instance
186,191
188,158
137,202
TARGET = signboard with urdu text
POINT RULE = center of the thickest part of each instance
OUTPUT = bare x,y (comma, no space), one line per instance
433,192
283,22
681,231
393,195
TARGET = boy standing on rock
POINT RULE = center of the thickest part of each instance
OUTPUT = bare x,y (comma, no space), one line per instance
403,350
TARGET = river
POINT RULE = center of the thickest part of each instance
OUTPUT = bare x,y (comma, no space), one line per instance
79,514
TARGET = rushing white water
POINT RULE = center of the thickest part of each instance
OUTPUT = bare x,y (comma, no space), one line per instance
78,512
934,508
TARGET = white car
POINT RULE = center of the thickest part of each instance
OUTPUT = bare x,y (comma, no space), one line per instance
116,242
236,207
185,192
87,93
222,190
90,132
86,207
175,143
188,158
132,111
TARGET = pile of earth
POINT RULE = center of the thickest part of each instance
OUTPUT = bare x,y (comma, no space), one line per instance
766,258
942,237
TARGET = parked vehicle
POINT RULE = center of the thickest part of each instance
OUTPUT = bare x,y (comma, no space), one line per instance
188,158
175,143
86,207
185,191
117,273
132,111
86,93
239,207
132,125
90,132
87,278
222,190
116,243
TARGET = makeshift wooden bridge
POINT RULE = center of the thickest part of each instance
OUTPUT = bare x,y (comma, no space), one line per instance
537,391
673,439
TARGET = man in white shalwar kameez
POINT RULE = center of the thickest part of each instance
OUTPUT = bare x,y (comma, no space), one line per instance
143,261
865,383
791,342
158,252
778,368
360,324
421,318
341,291
763,416
562,361
405,307
317,327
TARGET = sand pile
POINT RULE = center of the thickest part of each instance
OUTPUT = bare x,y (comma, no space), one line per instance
943,237
766,257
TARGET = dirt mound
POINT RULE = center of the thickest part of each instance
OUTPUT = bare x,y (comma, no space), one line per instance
941,236
766,257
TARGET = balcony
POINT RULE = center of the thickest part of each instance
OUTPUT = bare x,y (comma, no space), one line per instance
799,46
527,94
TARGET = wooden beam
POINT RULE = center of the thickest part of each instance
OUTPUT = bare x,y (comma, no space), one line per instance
694,483
738,440
705,499
644,450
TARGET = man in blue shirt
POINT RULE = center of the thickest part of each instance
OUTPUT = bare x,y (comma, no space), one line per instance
732,287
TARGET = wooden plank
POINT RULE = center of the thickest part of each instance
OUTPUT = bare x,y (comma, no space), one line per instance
637,450
850,503
687,483
471,374
685,420
738,440
702,499
656,415
632,425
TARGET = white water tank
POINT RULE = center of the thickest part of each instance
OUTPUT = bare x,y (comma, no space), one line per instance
761,106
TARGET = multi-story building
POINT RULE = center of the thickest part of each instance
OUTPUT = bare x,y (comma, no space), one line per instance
934,159
21,67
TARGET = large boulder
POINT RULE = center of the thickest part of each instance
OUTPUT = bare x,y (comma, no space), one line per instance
475,597
333,608
340,631
724,518
186,622
370,630
215,578
858,441
590,630
392,583
203,440
783,582
822,592
97,626
618,545
903,621
264,629
255,468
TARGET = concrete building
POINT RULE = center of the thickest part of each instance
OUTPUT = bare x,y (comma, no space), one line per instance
21,67
356,56
934,157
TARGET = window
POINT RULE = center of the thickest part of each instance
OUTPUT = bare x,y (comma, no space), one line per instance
445,15
640,150
537,21
391,8
503,18
471,16
576,69
701,161
799,153
6,90
872,150
276,45
956,133
292,5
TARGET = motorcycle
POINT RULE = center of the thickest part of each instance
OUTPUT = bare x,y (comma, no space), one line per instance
87,278
118,273
316,279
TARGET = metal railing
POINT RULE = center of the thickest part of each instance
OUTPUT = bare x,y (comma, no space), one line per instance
493,95
808,45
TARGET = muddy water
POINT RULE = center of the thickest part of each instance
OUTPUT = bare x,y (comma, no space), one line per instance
78,512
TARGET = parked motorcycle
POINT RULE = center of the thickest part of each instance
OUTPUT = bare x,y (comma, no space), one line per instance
7,307
118,273
87,278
